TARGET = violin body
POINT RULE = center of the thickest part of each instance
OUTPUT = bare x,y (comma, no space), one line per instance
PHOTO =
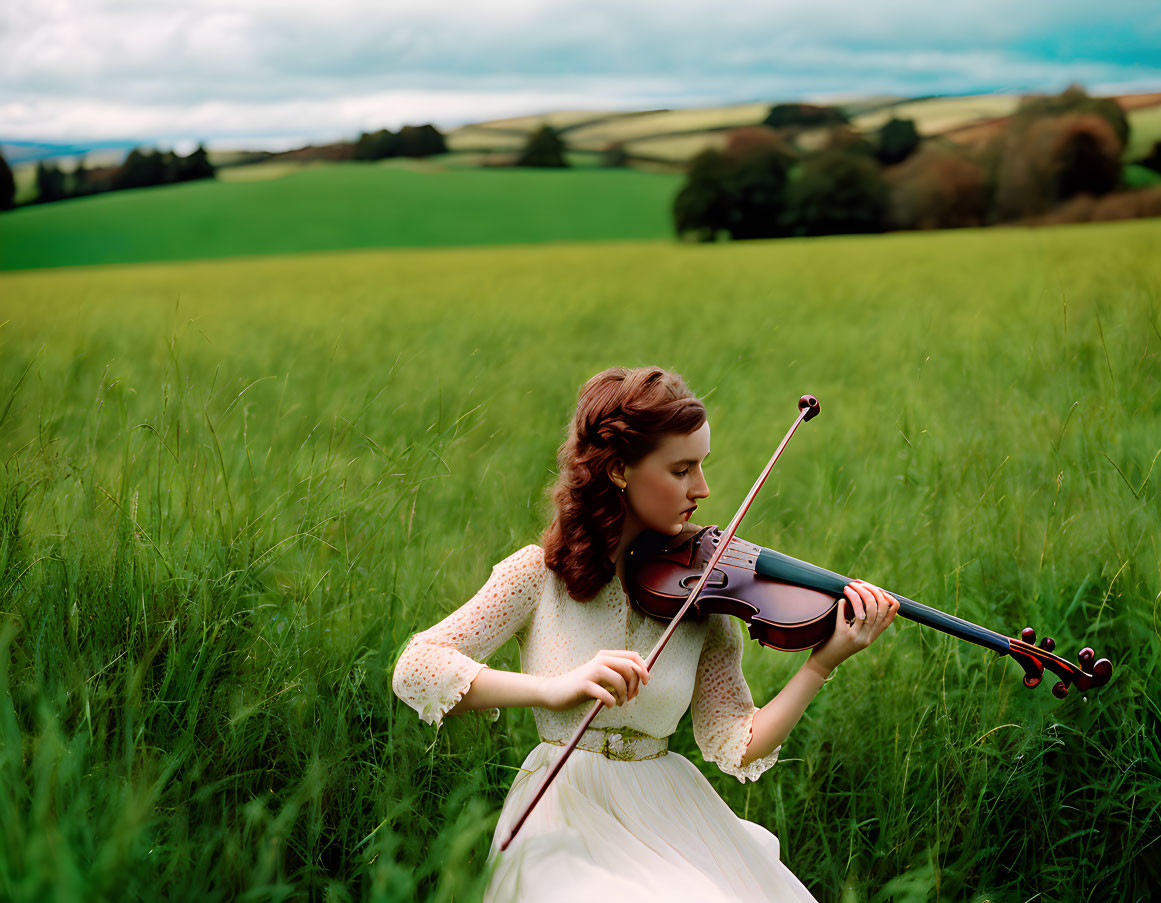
789,604
780,615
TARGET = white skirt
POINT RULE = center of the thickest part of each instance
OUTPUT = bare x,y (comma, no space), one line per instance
650,830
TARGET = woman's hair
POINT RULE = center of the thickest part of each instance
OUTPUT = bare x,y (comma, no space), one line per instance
621,415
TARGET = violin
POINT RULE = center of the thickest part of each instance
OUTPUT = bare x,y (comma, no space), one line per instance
790,604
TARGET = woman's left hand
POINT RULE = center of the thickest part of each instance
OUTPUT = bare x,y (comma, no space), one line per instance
874,611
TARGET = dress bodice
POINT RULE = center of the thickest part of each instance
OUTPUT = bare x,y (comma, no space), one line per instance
699,669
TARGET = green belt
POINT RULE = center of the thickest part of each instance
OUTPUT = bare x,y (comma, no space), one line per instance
622,743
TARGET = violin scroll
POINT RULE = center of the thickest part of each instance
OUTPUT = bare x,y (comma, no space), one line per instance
1034,659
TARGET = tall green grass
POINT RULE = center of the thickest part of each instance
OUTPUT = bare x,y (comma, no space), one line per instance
231,491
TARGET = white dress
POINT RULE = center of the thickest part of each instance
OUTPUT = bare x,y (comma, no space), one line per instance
650,829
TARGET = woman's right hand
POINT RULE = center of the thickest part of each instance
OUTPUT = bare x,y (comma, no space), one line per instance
620,670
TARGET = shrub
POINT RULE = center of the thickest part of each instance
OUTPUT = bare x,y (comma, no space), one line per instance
1128,205
936,188
1085,208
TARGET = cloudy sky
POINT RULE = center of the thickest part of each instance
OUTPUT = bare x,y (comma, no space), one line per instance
278,72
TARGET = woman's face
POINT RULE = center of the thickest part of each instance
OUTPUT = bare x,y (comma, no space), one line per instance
664,486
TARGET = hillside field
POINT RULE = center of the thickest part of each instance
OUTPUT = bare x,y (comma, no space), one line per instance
675,136
232,490
339,206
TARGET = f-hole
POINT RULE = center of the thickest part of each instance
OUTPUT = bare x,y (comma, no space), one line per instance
689,580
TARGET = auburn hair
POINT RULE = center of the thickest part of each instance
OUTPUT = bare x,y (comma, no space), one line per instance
621,415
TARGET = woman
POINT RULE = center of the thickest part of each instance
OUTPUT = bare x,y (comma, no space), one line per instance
625,818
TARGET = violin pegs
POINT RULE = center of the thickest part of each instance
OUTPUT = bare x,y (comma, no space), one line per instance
1060,690
1102,671
1028,635
1048,644
1085,658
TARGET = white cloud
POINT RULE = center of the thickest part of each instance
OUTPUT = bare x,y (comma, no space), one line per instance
87,69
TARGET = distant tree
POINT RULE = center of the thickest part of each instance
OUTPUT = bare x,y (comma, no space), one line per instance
543,148
837,192
49,182
1074,99
195,166
7,185
144,167
78,185
756,187
170,167
93,180
936,188
740,190
378,145
141,168
701,207
1084,156
420,141
365,146
1052,159
898,140
804,115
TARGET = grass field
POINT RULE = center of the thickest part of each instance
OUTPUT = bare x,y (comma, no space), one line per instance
232,490
336,207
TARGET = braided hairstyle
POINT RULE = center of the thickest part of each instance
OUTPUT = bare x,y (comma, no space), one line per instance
621,415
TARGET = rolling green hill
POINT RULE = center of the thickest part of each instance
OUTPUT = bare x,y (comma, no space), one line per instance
337,207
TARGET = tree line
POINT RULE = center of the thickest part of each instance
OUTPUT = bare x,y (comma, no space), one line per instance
144,167
409,141
141,168
1058,158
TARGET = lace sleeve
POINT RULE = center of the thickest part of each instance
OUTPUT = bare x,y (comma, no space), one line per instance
438,665
723,708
